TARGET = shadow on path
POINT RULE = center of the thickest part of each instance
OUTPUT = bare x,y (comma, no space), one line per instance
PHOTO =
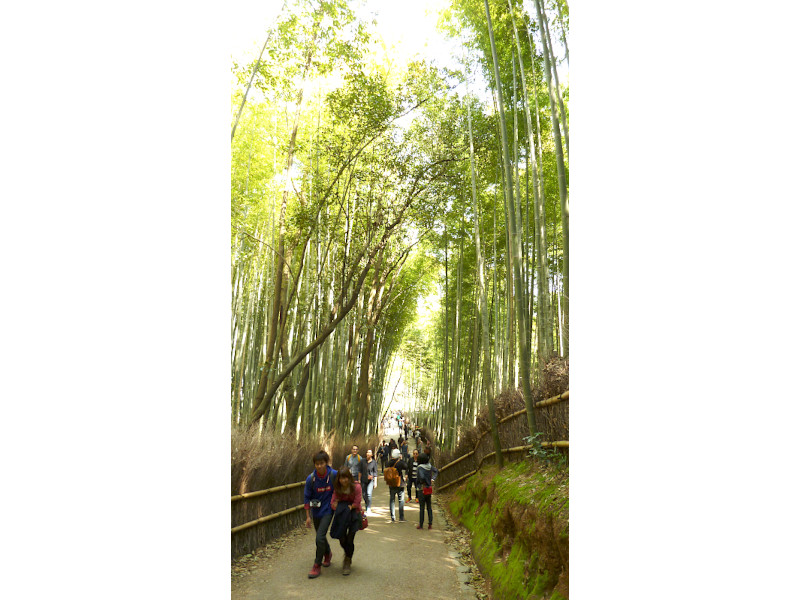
384,552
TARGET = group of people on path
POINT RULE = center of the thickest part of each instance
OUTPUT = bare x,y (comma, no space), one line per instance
403,423
333,499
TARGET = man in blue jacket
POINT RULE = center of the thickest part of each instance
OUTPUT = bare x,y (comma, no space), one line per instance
317,495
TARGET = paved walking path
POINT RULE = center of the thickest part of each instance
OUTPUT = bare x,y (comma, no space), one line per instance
384,552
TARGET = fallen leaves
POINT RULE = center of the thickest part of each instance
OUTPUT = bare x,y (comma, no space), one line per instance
459,539
244,565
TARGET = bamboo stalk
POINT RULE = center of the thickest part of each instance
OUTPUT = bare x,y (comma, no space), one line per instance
505,451
265,519
462,478
561,444
553,400
458,460
267,491
512,415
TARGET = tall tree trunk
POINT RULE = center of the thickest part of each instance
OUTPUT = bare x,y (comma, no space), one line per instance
365,376
562,183
484,313
522,330
267,373
557,86
543,321
454,378
563,29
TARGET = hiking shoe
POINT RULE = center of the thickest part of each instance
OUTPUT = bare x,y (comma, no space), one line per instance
346,565
314,572
430,525
326,560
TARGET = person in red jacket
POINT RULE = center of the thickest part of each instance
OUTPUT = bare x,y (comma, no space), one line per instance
347,491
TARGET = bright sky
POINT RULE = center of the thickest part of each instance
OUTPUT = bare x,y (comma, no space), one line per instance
408,27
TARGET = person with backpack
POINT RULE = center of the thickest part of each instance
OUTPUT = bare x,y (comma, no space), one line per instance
393,476
369,479
354,463
317,502
412,477
426,475
346,504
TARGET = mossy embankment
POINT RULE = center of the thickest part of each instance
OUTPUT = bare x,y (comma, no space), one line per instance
518,517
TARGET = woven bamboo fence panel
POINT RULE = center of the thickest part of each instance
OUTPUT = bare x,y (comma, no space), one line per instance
552,420
248,509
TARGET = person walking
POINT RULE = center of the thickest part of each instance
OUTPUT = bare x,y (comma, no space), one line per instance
428,449
369,480
317,502
383,451
412,477
346,504
404,450
354,463
426,475
396,484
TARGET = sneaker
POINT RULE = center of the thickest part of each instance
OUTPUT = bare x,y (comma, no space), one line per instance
430,525
419,526
402,520
314,572
326,560
416,500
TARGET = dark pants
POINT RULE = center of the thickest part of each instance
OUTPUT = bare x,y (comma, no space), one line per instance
323,547
347,541
423,502
412,482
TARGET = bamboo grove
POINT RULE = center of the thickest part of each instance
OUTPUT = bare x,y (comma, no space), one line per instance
361,190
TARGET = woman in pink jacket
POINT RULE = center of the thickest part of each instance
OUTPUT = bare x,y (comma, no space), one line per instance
347,491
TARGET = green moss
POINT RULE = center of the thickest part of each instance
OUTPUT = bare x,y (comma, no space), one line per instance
519,574
557,596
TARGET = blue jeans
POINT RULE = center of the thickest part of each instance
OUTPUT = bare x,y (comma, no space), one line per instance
396,491
323,547
368,494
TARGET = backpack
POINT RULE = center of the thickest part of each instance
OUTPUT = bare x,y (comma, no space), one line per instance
360,462
391,476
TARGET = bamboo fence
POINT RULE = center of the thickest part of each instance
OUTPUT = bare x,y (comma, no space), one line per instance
259,517
552,418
